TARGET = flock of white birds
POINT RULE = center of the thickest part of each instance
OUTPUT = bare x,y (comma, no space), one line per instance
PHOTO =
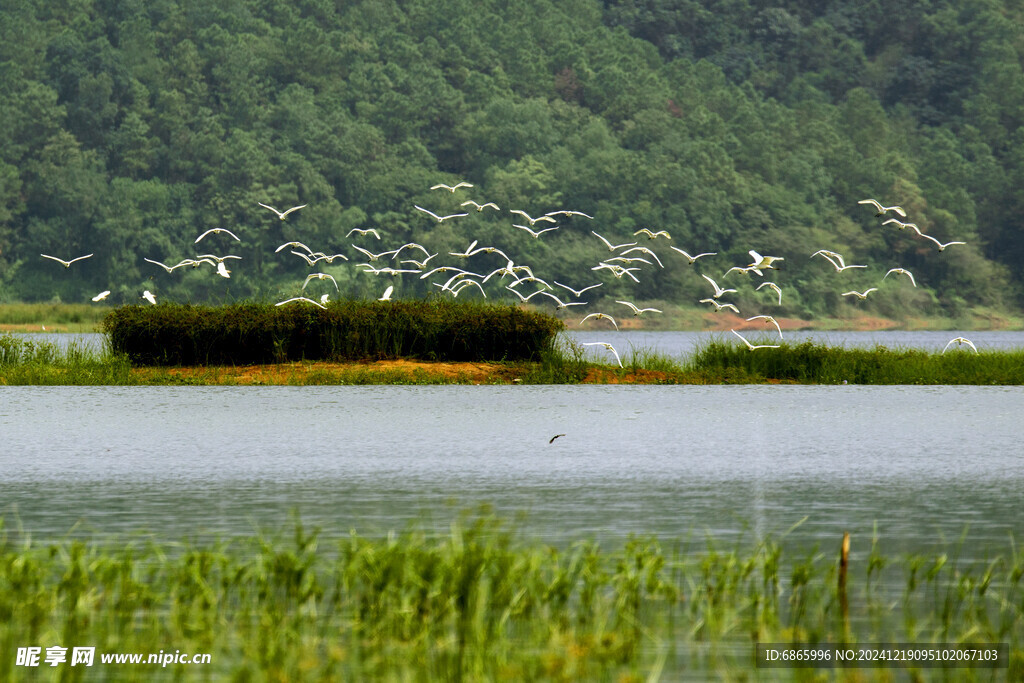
626,260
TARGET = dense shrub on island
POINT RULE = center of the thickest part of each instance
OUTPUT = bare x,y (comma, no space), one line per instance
251,333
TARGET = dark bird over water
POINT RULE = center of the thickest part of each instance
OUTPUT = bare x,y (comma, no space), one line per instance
555,437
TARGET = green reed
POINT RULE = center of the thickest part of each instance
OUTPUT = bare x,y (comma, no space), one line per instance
814,363
29,361
481,602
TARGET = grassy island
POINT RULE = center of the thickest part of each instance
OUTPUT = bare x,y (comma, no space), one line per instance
443,342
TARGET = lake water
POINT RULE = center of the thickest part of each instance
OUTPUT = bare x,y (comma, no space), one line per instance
919,464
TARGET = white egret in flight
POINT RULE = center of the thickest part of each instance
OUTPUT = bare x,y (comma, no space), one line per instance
283,214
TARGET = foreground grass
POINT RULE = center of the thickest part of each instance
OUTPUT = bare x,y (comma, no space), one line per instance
481,603
24,361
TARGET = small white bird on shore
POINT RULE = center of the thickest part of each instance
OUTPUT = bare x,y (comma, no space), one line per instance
882,210
960,341
608,347
64,263
283,214
754,347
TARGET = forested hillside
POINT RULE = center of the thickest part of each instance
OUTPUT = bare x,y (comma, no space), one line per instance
131,127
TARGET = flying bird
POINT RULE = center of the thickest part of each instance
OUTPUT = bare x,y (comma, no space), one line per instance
294,245
217,231
772,285
163,265
691,259
283,214
534,233
902,226
148,296
387,293
439,219
566,212
559,303
882,210
480,207
942,246
102,295
861,295
599,316
450,188
607,346
364,232
636,309
718,290
754,347
763,262
531,220
222,270
576,292
643,250
719,306
319,276
652,235
612,247
836,259
768,319
555,437
960,341
300,298
901,271
64,263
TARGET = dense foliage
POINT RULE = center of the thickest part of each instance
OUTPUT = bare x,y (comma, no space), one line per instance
244,333
132,127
